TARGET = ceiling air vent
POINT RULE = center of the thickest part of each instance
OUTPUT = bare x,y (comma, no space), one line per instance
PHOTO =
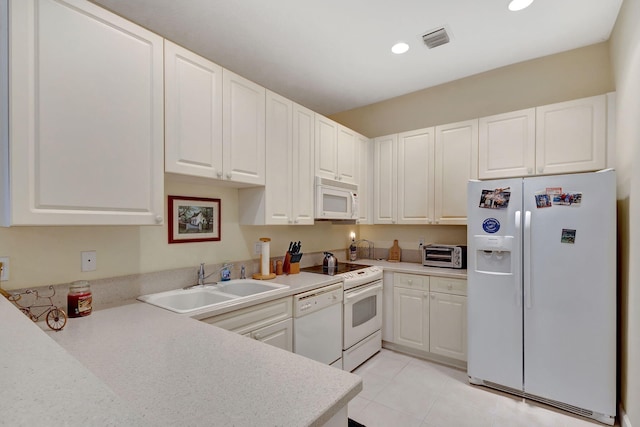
436,38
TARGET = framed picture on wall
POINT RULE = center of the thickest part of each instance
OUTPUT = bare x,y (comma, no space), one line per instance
193,219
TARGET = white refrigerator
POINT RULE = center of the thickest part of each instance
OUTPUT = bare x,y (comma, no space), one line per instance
542,289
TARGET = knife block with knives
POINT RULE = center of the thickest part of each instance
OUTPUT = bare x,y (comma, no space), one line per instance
292,259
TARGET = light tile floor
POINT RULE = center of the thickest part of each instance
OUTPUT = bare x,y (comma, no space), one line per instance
399,390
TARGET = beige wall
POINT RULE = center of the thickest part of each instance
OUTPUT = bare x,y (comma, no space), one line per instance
569,75
625,55
51,255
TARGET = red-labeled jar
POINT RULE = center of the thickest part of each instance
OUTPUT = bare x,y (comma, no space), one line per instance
79,299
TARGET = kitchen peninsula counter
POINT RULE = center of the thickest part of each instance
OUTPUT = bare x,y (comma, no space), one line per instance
154,367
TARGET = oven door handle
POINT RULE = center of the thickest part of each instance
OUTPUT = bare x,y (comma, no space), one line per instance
369,289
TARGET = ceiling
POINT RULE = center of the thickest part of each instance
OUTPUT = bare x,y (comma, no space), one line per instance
335,55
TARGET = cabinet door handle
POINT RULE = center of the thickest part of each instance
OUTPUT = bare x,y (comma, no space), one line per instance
219,174
426,294
256,336
159,219
229,175
540,169
433,296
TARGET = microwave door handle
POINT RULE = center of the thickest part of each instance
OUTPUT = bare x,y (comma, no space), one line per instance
354,204
354,295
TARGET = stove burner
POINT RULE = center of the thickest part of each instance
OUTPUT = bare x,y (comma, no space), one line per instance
340,268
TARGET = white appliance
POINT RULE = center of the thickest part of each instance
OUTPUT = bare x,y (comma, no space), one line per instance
542,289
362,311
317,324
335,200
362,316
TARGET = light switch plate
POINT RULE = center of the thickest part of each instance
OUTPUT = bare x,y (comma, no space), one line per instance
89,260
4,275
257,248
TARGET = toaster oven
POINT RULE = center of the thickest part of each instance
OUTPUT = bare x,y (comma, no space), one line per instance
449,256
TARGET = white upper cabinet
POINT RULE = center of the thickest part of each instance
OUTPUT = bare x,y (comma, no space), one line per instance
421,176
571,136
415,176
85,112
287,197
335,151
385,183
193,113
553,139
365,179
243,129
456,162
506,145
302,196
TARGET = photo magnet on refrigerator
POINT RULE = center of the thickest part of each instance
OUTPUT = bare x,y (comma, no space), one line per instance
543,200
572,198
495,199
568,236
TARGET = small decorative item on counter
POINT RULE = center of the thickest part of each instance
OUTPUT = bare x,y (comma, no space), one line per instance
33,307
279,268
79,299
353,250
394,252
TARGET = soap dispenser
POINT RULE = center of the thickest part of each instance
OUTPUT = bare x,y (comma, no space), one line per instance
225,274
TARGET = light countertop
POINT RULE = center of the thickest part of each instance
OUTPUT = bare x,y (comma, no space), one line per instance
415,268
135,364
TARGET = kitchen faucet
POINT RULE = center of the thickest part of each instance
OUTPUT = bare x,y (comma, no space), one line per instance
202,276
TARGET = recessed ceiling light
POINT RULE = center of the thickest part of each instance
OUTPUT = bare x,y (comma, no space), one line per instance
399,48
516,5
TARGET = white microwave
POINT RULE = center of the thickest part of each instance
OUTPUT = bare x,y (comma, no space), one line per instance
335,200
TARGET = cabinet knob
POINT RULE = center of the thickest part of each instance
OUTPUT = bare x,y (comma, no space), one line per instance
159,219
256,336
295,221
449,286
410,281
229,175
219,174
426,294
433,296
540,169
529,171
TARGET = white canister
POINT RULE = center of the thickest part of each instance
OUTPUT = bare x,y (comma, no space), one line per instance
264,256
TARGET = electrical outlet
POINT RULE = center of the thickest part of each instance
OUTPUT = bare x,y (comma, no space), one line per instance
421,241
257,248
4,274
89,260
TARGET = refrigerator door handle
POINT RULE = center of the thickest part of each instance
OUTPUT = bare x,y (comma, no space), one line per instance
517,276
527,258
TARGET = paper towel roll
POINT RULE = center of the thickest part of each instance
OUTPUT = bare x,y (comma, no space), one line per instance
264,256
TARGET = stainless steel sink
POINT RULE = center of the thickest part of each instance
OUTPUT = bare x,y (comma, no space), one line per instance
211,296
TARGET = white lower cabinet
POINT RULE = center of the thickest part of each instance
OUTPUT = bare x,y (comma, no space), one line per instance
411,317
430,314
270,322
278,335
448,315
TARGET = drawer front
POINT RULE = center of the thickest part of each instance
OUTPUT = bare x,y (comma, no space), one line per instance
411,281
448,285
251,318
